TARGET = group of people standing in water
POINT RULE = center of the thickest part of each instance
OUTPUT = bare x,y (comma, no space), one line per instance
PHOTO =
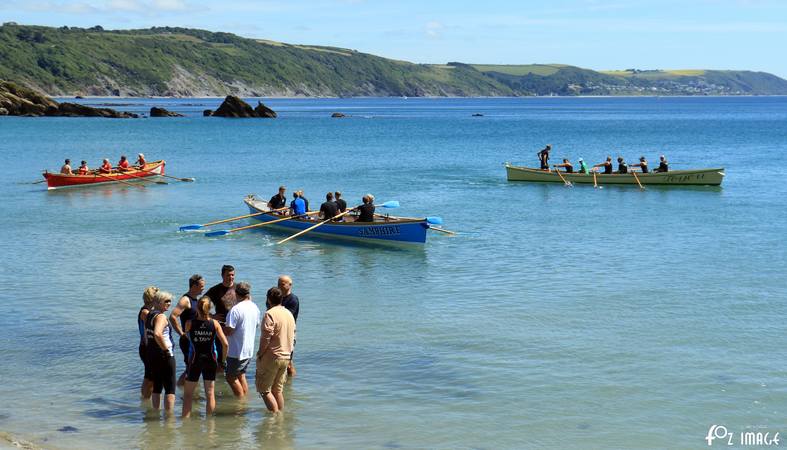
605,167
106,167
217,334
333,206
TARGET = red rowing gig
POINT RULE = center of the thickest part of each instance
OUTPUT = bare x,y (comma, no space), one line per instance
59,180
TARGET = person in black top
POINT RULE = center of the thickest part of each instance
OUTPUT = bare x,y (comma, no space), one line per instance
366,210
328,209
291,302
279,200
607,165
203,335
622,166
642,164
223,294
185,310
567,165
663,165
340,201
543,156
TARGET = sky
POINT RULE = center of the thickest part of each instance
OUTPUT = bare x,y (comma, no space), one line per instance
594,34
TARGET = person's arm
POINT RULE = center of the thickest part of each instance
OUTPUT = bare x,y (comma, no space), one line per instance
158,331
144,315
229,326
267,326
222,340
183,304
188,327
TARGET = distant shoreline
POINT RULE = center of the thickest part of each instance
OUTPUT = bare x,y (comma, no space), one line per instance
86,97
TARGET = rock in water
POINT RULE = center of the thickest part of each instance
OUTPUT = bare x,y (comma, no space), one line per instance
207,113
235,107
20,101
161,112
337,115
68,429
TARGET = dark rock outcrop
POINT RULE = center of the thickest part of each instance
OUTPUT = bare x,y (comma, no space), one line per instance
338,114
237,108
20,101
161,112
207,113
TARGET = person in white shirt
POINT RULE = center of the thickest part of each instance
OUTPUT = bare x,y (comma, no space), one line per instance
241,330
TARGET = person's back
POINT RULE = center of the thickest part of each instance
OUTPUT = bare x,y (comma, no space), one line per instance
622,166
340,203
366,211
583,168
243,318
298,207
277,340
543,157
329,208
202,337
663,165
66,169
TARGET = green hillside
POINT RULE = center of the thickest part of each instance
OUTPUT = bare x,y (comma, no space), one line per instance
168,61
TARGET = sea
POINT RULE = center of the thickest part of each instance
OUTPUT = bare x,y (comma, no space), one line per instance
555,318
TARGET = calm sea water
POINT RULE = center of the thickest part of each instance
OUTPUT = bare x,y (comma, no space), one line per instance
556,318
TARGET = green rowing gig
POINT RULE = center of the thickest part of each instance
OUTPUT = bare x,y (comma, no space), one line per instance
697,177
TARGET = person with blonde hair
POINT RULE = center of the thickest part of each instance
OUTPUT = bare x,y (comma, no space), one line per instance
203,332
366,210
160,357
142,315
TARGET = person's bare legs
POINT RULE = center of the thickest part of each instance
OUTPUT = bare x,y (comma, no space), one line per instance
169,403
182,378
291,369
188,394
235,385
243,383
279,396
210,398
270,402
147,388
155,400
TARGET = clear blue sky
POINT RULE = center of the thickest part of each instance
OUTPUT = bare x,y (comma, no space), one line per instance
596,34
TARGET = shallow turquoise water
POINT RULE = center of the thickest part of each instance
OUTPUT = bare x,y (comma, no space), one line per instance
557,318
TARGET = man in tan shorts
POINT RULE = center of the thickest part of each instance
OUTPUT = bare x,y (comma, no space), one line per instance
276,343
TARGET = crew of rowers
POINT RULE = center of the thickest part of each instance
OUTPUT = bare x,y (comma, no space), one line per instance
334,207
606,166
106,167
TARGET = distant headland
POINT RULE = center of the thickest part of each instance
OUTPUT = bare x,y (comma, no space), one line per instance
182,62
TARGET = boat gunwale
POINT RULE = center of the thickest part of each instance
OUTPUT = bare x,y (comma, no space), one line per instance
149,167
396,220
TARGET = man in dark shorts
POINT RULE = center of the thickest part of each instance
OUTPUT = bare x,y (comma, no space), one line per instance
241,327
279,200
328,210
543,157
292,304
186,310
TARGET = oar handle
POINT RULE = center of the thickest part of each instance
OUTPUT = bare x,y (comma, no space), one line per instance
119,181
232,219
256,225
443,230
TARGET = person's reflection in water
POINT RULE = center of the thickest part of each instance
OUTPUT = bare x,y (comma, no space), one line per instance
158,433
276,430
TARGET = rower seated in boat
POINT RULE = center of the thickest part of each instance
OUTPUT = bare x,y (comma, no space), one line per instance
543,157
279,200
622,166
340,201
566,164
583,168
123,164
642,164
141,161
83,169
366,210
607,165
66,169
663,165
106,167
297,206
329,209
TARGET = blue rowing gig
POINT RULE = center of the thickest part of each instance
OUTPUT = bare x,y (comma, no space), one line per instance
384,229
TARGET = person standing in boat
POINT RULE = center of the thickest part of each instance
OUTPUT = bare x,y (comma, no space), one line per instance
583,168
123,164
141,161
66,169
622,166
543,157
148,297
569,168
203,335
106,167
663,165
160,357
366,210
642,164
186,310
328,209
279,200
83,169
607,165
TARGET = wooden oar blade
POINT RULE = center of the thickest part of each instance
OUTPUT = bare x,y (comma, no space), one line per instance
217,233
434,220
193,226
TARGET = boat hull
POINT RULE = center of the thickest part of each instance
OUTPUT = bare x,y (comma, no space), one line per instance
699,177
60,181
392,230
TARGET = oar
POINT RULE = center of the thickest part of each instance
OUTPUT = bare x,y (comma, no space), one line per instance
168,176
256,225
120,181
196,226
142,178
434,220
637,178
595,184
389,204
443,230
561,177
